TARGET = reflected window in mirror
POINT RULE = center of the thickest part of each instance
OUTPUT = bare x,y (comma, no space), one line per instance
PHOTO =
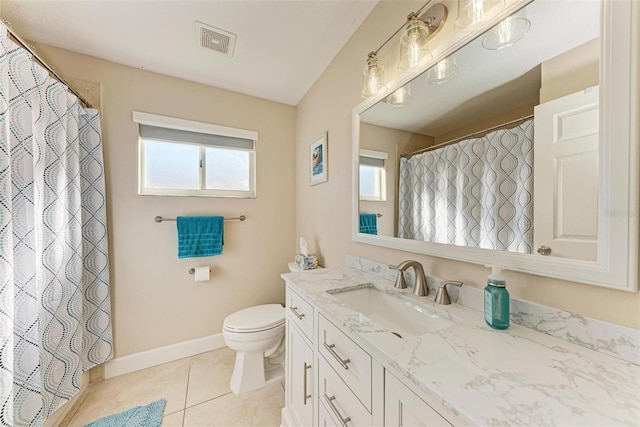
373,176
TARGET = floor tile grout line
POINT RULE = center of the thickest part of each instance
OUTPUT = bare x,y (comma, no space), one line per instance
208,400
186,393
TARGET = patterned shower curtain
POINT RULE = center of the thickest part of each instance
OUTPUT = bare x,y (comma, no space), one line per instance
55,315
476,193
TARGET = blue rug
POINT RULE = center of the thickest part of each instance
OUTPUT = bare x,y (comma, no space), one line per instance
140,416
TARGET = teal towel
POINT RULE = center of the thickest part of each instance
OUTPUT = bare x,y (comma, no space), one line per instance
369,223
199,236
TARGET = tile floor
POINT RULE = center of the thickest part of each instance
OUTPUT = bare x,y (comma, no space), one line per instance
197,393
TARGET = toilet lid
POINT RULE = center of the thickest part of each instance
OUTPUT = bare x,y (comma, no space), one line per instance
257,318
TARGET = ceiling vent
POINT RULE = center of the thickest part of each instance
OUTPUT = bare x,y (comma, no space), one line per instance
215,40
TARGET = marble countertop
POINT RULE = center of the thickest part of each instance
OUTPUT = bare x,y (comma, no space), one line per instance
484,376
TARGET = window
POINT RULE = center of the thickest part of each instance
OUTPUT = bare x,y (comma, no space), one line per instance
372,175
185,158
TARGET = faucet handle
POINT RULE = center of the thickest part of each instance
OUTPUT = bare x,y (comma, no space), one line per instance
442,296
400,283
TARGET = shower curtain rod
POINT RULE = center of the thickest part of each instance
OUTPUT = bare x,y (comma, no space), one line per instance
462,138
16,38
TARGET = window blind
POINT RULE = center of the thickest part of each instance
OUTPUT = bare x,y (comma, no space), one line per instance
370,161
176,135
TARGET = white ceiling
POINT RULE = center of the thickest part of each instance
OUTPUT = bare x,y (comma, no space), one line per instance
281,50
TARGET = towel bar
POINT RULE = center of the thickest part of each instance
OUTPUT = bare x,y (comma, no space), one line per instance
160,219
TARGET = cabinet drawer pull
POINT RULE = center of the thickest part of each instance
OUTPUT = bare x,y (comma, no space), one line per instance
295,311
341,361
306,396
330,400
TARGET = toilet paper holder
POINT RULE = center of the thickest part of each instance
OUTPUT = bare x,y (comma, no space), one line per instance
192,271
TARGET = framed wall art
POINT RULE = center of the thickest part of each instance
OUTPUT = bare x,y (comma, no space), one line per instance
318,160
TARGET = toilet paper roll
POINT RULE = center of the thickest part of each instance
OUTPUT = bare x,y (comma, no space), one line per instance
202,274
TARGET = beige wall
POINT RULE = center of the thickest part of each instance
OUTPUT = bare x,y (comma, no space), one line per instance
571,71
155,302
323,212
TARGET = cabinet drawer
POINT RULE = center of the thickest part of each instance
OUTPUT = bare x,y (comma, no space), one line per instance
324,418
402,407
300,312
339,399
351,362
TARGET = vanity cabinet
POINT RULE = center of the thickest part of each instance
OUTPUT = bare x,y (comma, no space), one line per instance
332,381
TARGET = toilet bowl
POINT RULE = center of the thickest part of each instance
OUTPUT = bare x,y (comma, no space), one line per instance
256,334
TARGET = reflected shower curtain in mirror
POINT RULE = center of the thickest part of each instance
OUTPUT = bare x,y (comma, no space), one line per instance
55,315
476,193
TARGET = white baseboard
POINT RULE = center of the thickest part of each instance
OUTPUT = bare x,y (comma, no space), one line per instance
158,356
63,414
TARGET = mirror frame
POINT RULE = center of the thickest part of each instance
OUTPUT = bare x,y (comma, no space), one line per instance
619,209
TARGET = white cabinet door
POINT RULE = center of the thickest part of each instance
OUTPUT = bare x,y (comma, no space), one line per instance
402,407
566,165
299,384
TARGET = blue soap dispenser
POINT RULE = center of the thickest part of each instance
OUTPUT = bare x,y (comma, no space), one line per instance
496,300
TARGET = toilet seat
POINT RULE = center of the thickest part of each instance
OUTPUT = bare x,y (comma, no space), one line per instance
255,319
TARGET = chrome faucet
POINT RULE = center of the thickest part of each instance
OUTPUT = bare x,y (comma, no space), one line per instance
420,289
442,296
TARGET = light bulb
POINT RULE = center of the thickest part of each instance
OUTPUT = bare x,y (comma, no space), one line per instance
471,13
413,45
373,77
443,71
507,32
400,97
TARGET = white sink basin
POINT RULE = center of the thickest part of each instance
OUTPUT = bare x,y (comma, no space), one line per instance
394,314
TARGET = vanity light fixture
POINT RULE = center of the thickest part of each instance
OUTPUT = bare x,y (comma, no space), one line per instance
442,72
374,79
400,97
472,13
416,31
508,32
413,45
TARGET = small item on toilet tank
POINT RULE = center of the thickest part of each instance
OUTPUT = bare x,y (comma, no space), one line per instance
306,262
202,273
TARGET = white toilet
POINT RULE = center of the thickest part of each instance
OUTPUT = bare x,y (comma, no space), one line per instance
256,334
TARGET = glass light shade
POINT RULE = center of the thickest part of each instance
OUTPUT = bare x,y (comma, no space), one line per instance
506,33
472,13
373,78
413,45
400,97
442,72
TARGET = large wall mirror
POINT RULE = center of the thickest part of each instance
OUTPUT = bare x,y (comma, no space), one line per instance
522,153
